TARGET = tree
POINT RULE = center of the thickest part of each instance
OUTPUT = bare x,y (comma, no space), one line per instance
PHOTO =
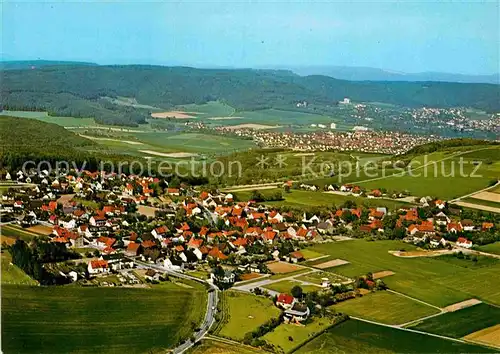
297,292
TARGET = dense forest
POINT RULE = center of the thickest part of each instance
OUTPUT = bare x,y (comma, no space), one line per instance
84,90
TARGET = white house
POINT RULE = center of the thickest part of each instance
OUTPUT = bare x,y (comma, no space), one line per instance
463,242
98,266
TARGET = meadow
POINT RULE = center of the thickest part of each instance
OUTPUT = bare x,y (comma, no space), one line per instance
385,307
462,322
11,274
354,336
244,313
105,320
491,248
429,279
280,336
285,286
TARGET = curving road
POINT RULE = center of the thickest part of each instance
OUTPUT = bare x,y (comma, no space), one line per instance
211,304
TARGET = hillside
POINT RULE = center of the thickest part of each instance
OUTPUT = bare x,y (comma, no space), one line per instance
81,91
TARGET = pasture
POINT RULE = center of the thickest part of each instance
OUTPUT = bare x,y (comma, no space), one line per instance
243,313
354,336
285,286
385,307
425,278
106,320
280,336
462,322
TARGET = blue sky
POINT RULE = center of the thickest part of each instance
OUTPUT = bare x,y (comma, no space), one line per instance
459,37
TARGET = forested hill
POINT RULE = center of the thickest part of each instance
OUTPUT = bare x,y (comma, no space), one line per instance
80,90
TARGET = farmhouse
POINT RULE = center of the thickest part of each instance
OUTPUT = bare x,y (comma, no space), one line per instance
98,266
285,301
463,242
298,313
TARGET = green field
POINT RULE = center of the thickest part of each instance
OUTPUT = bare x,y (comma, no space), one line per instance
463,322
308,254
360,337
246,313
285,286
63,319
209,346
431,280
385,307
11,274
491,248
208,110
317,277
489,203
279,337
43,116
16,232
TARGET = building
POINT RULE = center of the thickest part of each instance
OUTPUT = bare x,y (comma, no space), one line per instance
285,301
463,242
298,313
98,266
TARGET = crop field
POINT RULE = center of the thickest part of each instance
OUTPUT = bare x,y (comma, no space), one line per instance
208,110
482,202
89,320
285,286
435,282
308,254
209,346
279,337
246,313
488,336
462,322
360,337
282,267
17,232
385,307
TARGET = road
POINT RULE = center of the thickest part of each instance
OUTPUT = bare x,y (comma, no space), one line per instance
211,303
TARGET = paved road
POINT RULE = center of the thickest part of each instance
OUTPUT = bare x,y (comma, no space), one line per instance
211,303
262,283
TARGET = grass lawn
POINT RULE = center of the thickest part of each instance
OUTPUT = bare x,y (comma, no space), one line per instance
317,277
462,322
491,248
279,337
11,274
308,254
67,319
425,278
209,346
246,313
308,198
285,286
360,337
385,307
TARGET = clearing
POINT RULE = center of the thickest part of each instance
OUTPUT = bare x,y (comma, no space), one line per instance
385,307
243,313
355,336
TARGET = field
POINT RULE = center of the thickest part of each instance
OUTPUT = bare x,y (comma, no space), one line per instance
482,202
435,282
385,307
285,286
209,346
11,274
462,322
308,254
488,336
246,313
282,267
331,264
491,248
279,337
89,320
360,337
317,277
17,232
40,229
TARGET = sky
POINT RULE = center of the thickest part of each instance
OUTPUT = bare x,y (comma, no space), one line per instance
441,36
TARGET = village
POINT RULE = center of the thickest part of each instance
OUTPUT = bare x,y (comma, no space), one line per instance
127,230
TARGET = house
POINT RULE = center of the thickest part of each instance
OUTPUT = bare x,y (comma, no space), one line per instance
133,249
98,266
463,242
296,256
150,274
437,241
97,221
487,226
173,191
298,313
227,277
160,232
467,225
441,219
453,227
426,227
285,301
440,204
